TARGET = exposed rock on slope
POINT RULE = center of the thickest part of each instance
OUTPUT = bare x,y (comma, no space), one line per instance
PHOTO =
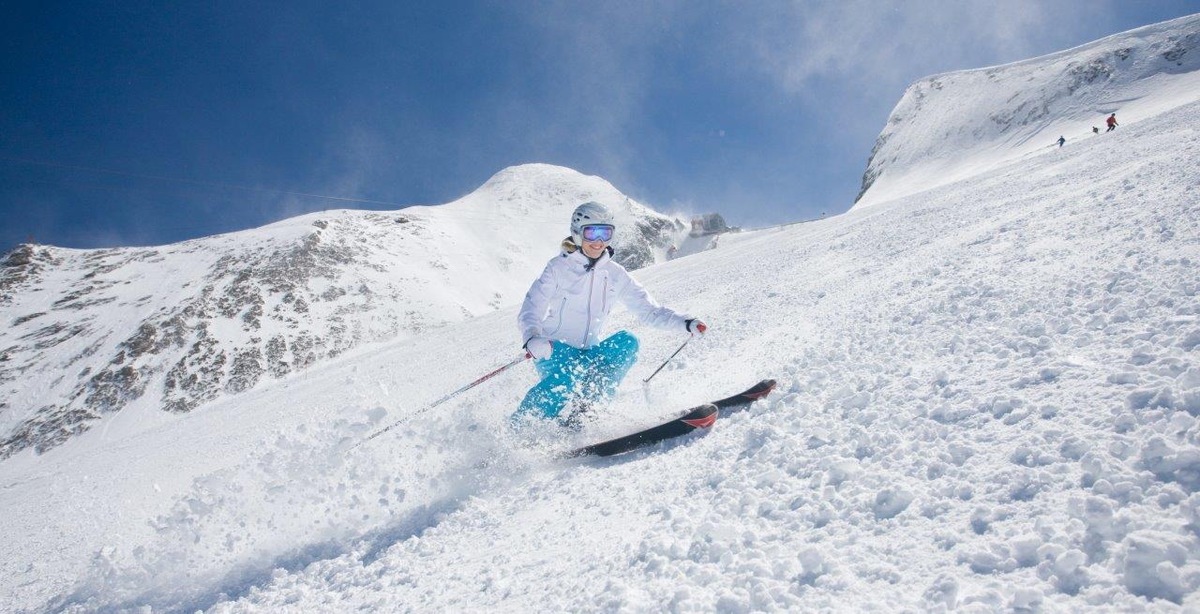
93,332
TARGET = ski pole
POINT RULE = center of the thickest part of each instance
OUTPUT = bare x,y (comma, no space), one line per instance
473,384
660,367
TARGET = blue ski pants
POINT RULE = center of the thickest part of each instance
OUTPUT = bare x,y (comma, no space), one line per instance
571,375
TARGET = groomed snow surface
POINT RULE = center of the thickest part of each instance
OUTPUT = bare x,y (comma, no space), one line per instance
988,401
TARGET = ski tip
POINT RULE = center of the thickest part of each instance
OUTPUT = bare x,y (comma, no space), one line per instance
760,389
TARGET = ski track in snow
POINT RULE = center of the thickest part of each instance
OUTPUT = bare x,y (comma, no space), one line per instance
988,400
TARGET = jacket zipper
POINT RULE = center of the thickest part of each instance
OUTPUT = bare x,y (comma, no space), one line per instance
587,331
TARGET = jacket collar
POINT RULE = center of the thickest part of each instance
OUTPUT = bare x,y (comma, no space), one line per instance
571,250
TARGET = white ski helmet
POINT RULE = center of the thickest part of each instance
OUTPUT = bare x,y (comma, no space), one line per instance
589,214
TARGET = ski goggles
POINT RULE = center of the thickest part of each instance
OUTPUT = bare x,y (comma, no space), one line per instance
597,233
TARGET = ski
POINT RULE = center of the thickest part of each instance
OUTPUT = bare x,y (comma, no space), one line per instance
699,417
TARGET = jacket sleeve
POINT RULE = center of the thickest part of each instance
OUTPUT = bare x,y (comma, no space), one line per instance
639,301
537,300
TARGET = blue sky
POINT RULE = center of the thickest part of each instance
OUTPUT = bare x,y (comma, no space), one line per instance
140,123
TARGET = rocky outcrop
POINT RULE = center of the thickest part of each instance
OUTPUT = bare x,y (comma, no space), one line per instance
93,332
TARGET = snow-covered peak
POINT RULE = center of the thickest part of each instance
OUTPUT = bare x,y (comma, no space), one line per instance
956,125
538,198
544,184
89,333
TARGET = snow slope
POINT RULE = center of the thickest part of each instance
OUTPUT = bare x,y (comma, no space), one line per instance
90,333
989,399
953,126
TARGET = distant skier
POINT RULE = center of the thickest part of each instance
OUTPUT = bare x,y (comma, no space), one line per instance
563,315
1112,122
1095,130
1061,140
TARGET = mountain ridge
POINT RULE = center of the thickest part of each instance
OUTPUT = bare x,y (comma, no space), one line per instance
954,125
176,326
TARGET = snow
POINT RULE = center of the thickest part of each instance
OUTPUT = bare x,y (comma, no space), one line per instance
953,126
989,399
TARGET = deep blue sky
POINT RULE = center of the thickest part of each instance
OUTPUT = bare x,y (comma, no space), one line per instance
135,123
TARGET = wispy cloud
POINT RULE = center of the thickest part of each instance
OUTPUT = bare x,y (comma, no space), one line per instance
873,43
837,60
587,84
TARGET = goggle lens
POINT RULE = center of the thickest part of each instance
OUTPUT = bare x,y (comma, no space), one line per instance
598,233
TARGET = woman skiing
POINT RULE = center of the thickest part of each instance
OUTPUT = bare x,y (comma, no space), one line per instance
563,316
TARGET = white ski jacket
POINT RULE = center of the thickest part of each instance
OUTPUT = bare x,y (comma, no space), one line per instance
571,300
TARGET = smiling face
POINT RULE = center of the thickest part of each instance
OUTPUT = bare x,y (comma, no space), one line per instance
593,249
